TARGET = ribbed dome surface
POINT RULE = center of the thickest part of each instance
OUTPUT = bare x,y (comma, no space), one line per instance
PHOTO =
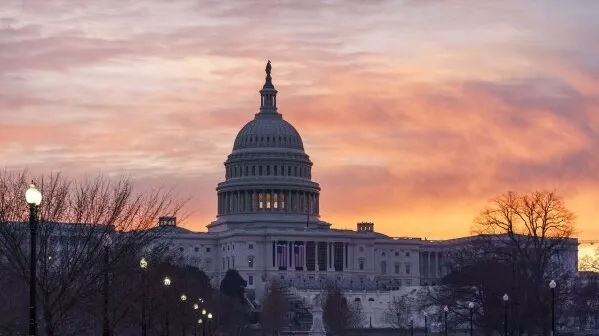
268,131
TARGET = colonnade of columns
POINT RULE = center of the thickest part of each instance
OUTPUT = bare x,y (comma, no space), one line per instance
244,201
310,255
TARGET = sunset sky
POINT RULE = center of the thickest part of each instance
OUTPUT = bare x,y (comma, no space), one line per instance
415,113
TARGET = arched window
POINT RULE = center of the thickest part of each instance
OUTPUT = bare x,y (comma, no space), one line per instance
267,170
288,170
246,170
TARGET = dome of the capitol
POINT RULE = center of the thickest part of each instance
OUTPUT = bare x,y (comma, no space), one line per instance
268,131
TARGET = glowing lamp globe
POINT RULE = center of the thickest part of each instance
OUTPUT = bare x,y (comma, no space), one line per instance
167,281
33,196
552,284
143,263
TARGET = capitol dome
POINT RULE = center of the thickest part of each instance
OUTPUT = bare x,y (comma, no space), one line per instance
268,131
268,175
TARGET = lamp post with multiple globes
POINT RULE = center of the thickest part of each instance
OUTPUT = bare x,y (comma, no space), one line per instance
505,308
552,285
143,265
34,199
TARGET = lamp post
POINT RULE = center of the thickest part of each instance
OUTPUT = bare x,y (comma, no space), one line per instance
471,308
167,283
398,322
204,325
200,322
183,299
143,265
425,324
210,324
445,310
505,303
107,241
552,285
411,327
34,199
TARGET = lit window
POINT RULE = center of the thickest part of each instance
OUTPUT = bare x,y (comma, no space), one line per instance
276,200
268,200
261,200
282,200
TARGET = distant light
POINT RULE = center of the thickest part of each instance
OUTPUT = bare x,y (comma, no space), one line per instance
210,315
200,321
167,281
203,311
196,306
470,305
183,297
505,297
33,196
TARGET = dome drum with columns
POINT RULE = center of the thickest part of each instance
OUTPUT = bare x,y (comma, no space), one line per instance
267,172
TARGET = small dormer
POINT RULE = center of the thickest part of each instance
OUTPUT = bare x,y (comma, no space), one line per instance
365,227
167,221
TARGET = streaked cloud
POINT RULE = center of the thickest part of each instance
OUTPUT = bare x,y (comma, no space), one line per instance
430,108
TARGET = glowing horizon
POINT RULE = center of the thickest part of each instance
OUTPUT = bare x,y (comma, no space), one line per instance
427,111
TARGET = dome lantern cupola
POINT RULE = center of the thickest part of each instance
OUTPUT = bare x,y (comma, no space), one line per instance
268,96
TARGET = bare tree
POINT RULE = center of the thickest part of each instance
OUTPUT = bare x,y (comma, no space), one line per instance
75,219
399,311
275,309
522,242
338,314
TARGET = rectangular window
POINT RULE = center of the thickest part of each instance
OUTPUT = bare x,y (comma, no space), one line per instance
322,256
396,268
288,170
261,200
253,170
275,200
282,255
250,280
260,170
207,249
268,200
407,268
310,256
361,264
282,201
276,170
267,170
250,246
338,256
298,255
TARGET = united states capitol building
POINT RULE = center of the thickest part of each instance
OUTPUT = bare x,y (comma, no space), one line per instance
268,223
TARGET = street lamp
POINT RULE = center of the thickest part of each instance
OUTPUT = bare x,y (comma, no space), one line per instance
196,306
411,327
552,285
203,311
200,322
445,310
143,265
210,324
106,242
183,299
425,324
471,308
167,283
505,303
34,199
398,322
